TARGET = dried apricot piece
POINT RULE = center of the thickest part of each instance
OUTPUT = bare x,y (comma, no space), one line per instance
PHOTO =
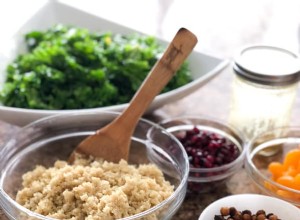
298,167
291,171
286,181
286,174
276,169
292,158
297,182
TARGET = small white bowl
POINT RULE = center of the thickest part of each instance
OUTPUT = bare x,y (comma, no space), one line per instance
252,202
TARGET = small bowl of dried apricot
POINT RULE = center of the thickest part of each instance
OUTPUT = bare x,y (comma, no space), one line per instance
250,207
215,149
273,163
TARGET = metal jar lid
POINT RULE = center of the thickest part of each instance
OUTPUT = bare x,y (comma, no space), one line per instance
267,65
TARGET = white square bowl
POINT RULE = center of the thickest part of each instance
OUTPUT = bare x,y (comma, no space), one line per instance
48,13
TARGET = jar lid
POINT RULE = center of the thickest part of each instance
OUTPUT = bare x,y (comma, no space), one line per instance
267,65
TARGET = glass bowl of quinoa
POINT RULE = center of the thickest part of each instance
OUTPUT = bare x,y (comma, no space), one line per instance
37,182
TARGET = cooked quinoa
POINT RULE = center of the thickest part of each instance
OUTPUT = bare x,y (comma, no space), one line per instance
93,189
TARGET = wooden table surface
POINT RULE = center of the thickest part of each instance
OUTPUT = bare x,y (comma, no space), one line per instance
268,23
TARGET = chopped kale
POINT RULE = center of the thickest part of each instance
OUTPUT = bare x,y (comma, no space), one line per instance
68,67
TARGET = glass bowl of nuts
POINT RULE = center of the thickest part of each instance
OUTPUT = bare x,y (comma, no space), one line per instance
250,207
273,163
215,149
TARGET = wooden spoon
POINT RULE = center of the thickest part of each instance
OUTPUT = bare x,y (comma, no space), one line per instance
112,142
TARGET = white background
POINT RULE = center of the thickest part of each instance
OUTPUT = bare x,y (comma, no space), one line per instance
222,26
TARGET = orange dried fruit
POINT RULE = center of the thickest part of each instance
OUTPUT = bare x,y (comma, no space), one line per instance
276,169
286,174
292,158
297,182
286,181
298,167
291,171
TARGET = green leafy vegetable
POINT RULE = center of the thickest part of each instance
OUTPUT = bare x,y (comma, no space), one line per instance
72,68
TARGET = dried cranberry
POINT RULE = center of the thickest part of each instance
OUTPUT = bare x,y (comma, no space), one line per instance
207,149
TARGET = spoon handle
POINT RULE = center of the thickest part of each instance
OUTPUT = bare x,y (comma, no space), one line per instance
161,73
115,137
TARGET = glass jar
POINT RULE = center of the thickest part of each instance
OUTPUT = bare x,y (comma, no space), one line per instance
264,89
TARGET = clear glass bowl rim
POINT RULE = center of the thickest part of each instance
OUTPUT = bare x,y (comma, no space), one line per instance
250,167
237,161
178,190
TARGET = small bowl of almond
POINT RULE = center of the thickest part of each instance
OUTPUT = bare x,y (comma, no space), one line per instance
250,207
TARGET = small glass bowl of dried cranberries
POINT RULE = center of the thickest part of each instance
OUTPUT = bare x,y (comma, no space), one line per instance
215,149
